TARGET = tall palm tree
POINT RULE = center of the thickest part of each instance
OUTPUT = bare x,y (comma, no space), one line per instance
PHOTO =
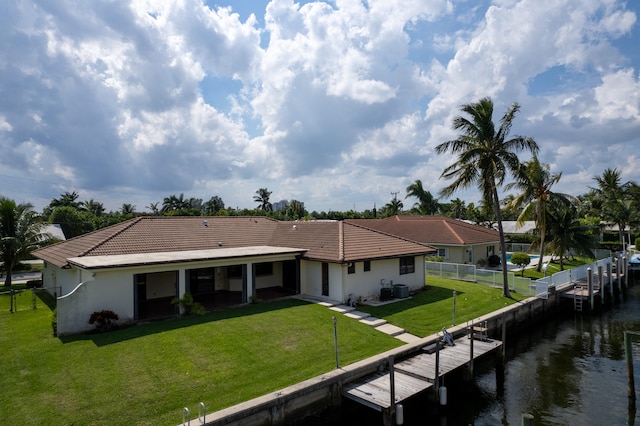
426,205
262,198
616,200
458,208
485,158
566,232
20,233
534,180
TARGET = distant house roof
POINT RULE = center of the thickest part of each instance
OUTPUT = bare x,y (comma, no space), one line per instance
437,230
54,230
512,227
330,241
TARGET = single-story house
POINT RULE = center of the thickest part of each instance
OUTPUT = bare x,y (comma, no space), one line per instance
135,268
455,240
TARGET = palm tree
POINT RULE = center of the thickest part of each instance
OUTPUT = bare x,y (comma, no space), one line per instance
214,205
566,232
20,233
262,198
426,205
173,203
485,158
616,200
127,209
154,208
393,207
534,180
458,207
94,207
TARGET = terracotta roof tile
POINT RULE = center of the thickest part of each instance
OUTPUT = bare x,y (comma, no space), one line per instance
431,229
324,240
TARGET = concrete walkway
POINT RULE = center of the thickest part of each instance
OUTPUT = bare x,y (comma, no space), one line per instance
379,324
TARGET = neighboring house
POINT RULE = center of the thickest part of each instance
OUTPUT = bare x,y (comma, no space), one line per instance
137,267
455,240
512,227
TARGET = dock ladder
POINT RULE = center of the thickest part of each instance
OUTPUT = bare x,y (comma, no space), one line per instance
577,302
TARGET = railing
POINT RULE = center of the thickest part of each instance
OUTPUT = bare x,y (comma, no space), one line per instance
456,271
517,284
466,272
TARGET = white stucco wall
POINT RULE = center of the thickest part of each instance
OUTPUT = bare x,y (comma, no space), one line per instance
368,284
311,280
111,290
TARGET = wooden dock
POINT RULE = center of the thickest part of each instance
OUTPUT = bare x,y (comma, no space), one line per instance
416,374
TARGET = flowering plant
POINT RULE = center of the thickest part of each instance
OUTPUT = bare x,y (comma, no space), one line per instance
103,319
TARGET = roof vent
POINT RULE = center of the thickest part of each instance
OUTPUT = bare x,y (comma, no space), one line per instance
219,243
295,227
205,222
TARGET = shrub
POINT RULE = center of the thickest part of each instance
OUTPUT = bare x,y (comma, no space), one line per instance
435,259
103,319
188,305
54,321
482,263
493,260
34,283
521,259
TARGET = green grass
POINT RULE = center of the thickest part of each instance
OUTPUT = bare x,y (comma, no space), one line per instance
553,267
427,312
146,374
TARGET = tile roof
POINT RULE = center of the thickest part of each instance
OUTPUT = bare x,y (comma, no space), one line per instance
431,229
323,240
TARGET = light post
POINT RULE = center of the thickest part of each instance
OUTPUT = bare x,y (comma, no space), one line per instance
453,321
335,339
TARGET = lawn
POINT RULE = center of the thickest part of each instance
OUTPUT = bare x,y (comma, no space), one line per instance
146,374
427,312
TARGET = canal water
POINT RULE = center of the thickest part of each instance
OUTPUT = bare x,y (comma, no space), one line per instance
570,370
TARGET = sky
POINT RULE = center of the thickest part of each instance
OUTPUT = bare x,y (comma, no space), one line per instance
338,104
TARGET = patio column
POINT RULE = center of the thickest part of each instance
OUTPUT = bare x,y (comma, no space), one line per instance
182,282
248,281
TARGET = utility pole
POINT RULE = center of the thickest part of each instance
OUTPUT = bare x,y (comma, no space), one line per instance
395,194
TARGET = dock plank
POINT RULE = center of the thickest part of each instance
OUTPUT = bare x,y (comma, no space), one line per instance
415,374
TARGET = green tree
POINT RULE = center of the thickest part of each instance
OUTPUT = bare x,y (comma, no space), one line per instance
534,181
20,234
72,221
427,204
520,259
616,200
566,233
295,210
262,198
94,207
213,206
128,209
393,207
484,158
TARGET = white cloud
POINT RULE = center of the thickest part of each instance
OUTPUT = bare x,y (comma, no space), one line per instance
333,103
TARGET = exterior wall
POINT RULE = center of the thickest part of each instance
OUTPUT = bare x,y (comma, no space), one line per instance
367,285
59,281
108,290
311,280
273,280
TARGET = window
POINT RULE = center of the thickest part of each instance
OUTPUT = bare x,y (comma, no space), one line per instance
264,268
489,251
351,268
407,265
234,271
442,252
367,265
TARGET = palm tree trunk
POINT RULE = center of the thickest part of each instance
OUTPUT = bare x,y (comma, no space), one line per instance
503,251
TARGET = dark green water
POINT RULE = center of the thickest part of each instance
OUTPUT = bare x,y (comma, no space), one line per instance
570,370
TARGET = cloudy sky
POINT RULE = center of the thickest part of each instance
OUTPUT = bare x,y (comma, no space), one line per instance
338,104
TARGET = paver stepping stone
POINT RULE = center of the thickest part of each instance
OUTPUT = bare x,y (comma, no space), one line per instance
390,329
407,337
373,321
343,309
357,315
